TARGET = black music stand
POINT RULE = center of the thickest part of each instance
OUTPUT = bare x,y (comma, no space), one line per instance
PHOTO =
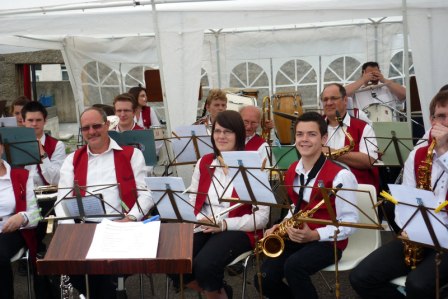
21,146
417,206
141,139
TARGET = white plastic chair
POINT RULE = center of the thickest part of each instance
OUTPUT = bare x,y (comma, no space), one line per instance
23,254
363,241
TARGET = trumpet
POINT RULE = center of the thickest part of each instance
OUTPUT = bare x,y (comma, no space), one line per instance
266,115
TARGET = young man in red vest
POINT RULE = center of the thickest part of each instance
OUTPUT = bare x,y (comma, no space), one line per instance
216,102
310,247
125,106
103,162
371,278
334,101
52,151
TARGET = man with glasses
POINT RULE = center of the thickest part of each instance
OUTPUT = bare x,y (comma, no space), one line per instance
125,106
360,159
103,162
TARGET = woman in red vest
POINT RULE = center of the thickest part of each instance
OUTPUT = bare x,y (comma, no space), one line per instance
216,247
17,210
145,116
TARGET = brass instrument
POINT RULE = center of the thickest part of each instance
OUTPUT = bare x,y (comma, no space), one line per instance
413,253
266,115
346,149
273,245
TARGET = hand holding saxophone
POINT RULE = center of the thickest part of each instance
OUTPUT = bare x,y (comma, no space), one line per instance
303,234
440,133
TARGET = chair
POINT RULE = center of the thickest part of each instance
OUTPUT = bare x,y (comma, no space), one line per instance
23,254
363,241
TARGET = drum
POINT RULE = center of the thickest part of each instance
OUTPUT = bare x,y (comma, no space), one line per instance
159,132
289,103
379,113
250,92
236,102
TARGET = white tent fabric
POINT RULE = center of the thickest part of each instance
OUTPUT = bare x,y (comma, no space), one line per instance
66,25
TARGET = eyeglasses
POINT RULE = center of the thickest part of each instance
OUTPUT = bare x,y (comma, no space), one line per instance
440,117
225,132
333,99
123,111
94,126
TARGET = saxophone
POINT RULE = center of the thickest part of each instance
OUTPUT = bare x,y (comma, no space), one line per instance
413,253
346,149
273,244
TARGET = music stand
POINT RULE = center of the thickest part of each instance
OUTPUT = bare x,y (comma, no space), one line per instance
190,144
326,192
21,146
416,207
141,139
251,184
8,121
284,156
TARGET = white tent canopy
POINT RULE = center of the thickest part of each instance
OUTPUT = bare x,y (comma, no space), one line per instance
121,34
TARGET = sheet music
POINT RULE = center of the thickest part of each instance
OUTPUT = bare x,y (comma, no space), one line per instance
125,240
92,206
258,179
416,229
8,121
188,155
163,202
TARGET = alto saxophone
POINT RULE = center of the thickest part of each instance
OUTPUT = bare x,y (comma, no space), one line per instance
346,149
273,244
413,253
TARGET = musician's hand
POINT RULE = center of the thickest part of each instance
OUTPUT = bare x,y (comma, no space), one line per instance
41,148
440,133
208,229
13,223
302,235
125,219
271,230
268,124
366,78
378,76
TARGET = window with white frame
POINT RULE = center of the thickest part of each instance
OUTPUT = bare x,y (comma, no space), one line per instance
343,70
250,75
100,83
135,77
396,67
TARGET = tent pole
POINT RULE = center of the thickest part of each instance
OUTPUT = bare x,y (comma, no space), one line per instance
406,63
73,81
218,56
159,56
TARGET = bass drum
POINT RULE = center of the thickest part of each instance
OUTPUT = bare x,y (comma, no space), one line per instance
379,113
236,102
289,103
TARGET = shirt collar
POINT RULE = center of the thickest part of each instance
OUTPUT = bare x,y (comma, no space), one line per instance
249,138
113,145
42,139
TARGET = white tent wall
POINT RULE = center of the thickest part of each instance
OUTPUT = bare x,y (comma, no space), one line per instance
429,44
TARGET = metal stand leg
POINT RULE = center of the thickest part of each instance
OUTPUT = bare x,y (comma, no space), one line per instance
167,290
121,291
142,291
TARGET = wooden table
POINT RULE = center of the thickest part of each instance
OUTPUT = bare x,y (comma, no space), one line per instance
68,249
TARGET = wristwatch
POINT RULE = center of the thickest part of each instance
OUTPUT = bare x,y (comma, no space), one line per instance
44,155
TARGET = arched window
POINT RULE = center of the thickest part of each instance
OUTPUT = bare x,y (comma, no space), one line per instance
396,67
135,77
298,75
100,83
250,75
342,70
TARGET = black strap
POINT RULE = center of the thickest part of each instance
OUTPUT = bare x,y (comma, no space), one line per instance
317,166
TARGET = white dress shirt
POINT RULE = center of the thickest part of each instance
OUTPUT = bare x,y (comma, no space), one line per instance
262,151
336,138
345,210
154,119
101,171
8,202
363,99
219,183
50,167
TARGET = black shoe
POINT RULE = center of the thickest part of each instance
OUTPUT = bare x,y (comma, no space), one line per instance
228,289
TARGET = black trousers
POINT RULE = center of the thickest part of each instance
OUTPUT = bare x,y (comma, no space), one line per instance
297,263
211,254
10,244
371,277
100,286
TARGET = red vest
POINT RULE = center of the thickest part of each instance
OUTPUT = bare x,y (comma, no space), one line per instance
327,173
137,127
205,181
146,115
123,172
363,176
49,147
254,143
19,177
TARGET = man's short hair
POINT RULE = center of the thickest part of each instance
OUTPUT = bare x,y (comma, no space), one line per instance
126,97
370,64
20,101
99,110
255,108
34,107
313,116
341,88
440,99
214,95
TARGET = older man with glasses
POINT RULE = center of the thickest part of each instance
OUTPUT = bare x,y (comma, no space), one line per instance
360,159
103,162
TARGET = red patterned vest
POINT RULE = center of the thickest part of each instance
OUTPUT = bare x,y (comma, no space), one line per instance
146,115
49,147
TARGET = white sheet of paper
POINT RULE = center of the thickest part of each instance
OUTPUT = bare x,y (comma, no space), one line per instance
188,155
416,228
258,179
8,121
164,205
124,240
